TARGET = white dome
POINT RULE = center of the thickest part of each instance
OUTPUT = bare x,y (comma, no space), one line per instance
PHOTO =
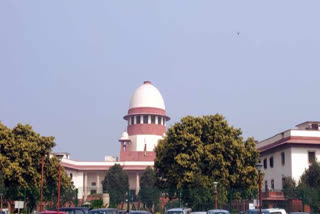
124,136
147,96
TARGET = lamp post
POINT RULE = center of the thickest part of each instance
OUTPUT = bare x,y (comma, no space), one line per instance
41,184
215,184
259,167
1,194
59,156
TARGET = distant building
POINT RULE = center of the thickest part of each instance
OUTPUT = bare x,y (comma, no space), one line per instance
146,125
288,153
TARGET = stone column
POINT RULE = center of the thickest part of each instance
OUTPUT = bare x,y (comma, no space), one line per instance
98,183
85,186
137,183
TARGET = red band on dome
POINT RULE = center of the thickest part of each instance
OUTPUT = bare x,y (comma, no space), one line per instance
147,110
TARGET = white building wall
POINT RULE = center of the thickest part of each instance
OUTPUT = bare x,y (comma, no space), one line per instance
278,171
138,142
77,179
296,162
301,160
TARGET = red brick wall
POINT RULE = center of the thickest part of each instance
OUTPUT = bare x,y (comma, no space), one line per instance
153,129
137,156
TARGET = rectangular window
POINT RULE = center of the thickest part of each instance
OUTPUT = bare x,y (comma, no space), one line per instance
159,120
311,157
271,162
132,120
283,180
93,184
314,126
153,119
272,184
265,163
266,186
138,119
93,191
145,119
283,158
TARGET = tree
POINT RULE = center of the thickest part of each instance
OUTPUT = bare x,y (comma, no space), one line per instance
116,184
309,186
21,149
149,194
289,188
201,150
50,188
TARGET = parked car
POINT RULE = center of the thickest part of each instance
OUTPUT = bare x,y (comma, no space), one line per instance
139,212
299,213
104,211
51,212
75,210
122,211
218,211
199,212
267,211
178,211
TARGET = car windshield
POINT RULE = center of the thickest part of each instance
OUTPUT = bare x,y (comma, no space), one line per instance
256,212
218,212
103,212
174,212
137,212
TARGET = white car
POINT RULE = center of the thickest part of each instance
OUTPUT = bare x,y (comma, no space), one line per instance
178,211
267,211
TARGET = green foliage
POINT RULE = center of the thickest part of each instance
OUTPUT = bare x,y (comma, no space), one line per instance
21,149
50,189
116,184
309,186
96,204
289,188
149,194
1,183
200,150
172,204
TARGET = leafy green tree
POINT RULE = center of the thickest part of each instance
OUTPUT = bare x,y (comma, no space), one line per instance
1,182
50,187
309,186
201,150
116,184
149,194
21,149
289,188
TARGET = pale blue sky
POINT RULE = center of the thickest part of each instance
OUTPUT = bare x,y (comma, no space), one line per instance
69,68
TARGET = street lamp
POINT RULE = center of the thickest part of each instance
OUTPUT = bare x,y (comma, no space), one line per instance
215,184
59,156
1,194
259,167
41,184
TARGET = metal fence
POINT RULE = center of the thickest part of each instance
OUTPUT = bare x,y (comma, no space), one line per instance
155,200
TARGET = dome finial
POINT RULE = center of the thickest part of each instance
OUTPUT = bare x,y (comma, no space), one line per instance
147,82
